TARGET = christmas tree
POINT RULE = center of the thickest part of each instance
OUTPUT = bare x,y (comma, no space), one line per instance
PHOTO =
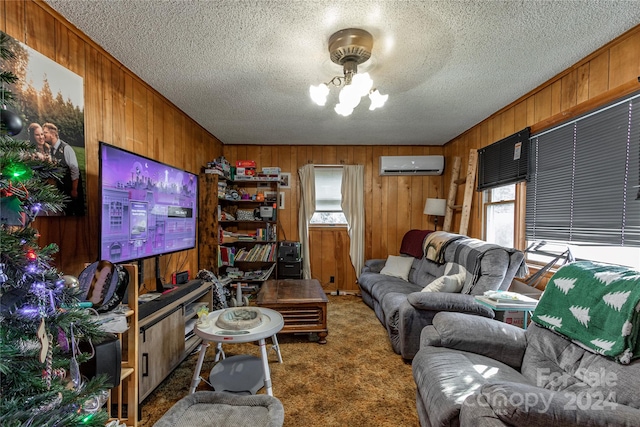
41,323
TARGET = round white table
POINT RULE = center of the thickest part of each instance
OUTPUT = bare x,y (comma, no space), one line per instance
272,323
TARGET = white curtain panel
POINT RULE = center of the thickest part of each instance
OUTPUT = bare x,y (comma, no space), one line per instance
307,208
353,208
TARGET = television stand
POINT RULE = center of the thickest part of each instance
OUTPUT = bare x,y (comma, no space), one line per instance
165,329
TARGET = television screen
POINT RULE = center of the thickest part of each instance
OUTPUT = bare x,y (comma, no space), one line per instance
147,208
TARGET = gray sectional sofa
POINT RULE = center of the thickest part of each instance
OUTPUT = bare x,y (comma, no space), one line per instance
404,310
474,371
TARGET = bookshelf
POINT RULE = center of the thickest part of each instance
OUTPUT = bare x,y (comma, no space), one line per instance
248,231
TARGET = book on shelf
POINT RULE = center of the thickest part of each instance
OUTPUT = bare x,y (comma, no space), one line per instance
226,255
259,253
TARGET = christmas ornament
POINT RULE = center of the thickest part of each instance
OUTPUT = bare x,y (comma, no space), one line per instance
48,369
74,368
63,342
12,123
70,281
11,211
95,402
44,341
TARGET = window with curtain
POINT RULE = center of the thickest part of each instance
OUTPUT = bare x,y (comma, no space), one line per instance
328,181
584,186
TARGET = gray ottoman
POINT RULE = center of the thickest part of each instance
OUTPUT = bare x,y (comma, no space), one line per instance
221,409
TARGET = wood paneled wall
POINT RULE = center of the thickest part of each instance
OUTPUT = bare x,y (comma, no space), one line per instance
123,110
609,73
393,204
120,109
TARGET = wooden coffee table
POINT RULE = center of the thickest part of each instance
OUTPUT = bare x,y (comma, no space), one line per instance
302,303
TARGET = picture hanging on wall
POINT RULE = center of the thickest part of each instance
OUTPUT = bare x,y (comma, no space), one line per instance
49,99
285,180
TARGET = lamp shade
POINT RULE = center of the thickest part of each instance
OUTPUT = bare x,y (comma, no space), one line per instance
435,207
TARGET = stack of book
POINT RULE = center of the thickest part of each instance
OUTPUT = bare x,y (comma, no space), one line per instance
507,300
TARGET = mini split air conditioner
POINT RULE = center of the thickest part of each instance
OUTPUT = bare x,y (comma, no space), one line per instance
411,165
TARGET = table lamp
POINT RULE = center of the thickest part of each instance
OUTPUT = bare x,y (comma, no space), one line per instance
435,207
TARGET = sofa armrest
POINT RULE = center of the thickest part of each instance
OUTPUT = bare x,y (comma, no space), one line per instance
443,301
496,340
527,405
373,265
419,309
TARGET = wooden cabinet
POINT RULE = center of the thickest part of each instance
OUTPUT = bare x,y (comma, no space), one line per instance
164,332
161,347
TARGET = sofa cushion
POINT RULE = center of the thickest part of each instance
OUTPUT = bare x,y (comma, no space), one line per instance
452,281
397,266
459,331
424,272
524,405
553,362
445,377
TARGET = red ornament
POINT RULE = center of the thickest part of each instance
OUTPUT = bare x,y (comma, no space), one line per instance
31,255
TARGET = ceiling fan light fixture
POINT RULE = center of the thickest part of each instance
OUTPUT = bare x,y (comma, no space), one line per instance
377,99
349,48
319,93
350,96
343,110
362,83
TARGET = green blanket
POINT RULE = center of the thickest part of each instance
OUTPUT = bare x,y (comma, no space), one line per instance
596,306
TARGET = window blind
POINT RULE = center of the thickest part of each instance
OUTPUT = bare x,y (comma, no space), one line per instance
504,162
328,189
584,179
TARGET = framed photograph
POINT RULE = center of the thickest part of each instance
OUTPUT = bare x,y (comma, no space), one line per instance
271,196
285,180
281,200
50,101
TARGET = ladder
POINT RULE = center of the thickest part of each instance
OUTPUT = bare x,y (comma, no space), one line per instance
469,188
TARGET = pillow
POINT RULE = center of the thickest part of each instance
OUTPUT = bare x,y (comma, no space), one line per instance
451,281
397,266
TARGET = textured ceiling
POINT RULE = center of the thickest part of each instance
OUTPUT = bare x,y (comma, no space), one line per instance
242,69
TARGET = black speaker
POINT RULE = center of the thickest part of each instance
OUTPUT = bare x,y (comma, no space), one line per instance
289,251
106,360
290,269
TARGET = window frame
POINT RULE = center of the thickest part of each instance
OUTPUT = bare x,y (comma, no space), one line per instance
487,203
327,224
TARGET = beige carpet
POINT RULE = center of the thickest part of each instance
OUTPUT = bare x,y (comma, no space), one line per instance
354,380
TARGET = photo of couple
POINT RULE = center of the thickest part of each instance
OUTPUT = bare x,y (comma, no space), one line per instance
49,146
50,98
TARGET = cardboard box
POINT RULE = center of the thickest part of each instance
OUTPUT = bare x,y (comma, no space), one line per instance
515,318
245,163
245,171
271,170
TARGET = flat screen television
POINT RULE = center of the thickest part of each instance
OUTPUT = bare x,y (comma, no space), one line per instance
147,208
